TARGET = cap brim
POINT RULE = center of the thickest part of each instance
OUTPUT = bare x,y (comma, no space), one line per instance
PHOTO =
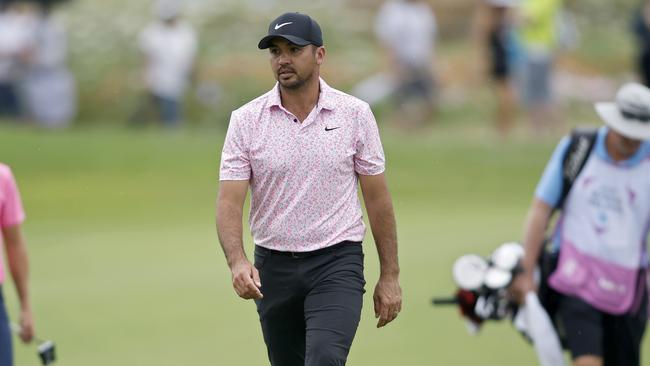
613,118
266,41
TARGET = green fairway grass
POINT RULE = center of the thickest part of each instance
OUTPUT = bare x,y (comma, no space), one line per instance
126,268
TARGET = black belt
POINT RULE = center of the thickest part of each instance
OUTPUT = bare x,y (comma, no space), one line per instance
313,253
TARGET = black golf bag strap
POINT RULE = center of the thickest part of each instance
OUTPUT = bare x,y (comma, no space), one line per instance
581,144
580,147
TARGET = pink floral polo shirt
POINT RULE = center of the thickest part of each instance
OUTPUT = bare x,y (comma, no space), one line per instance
303,176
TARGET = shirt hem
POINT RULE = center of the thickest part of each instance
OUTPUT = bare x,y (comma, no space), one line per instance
360,241
221,179
13,223
372,173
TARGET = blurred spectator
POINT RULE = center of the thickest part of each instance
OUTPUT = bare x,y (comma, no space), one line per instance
641,28
12,216
407,30
495,31
16,37
539,40
48,86
169,46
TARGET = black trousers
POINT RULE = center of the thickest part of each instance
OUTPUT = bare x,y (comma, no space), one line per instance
311,305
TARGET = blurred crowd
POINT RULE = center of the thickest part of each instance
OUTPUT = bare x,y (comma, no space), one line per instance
517,42
517,39
521,39
37,87
35,83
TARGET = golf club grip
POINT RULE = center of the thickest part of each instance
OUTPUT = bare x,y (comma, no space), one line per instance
444,301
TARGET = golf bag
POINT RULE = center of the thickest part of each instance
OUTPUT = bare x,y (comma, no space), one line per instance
482,285
491,299
483,297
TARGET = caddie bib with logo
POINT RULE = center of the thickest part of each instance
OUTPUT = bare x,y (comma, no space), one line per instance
603,233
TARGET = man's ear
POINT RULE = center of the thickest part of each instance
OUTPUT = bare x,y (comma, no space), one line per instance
320,55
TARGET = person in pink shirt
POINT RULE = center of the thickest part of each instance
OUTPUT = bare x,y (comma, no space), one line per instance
303,148
12,216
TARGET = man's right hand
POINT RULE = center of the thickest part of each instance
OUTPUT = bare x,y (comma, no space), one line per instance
246,280
521,285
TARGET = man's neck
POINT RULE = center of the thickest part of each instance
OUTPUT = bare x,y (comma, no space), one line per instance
616,155
301,101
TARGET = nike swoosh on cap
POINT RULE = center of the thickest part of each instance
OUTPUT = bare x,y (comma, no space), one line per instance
278,26
333,128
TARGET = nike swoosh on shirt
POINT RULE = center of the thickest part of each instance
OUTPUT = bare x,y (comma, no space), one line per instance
278,26
330,129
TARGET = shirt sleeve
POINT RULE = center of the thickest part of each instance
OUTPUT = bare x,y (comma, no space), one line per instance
369,157
549,188
235,160
11,206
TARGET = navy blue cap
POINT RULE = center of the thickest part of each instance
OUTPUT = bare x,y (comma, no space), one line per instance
296,28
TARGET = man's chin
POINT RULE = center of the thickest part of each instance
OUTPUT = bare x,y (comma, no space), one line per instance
290,84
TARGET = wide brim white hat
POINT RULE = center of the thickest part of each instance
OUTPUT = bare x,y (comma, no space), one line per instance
629,115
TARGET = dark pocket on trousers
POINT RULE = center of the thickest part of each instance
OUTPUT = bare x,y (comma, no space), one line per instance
260,258
350,258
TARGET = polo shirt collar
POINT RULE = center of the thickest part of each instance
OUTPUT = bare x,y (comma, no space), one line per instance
601,151
274,97
325,99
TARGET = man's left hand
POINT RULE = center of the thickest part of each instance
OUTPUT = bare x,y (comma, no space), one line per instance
388,299
26,326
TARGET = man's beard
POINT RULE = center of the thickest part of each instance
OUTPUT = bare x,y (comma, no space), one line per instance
296,84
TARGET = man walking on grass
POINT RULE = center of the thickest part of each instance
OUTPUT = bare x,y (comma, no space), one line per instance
303,148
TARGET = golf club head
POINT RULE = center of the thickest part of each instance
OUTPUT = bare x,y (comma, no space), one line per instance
466,303
497,278
507,256
47,353
492,306
469,272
